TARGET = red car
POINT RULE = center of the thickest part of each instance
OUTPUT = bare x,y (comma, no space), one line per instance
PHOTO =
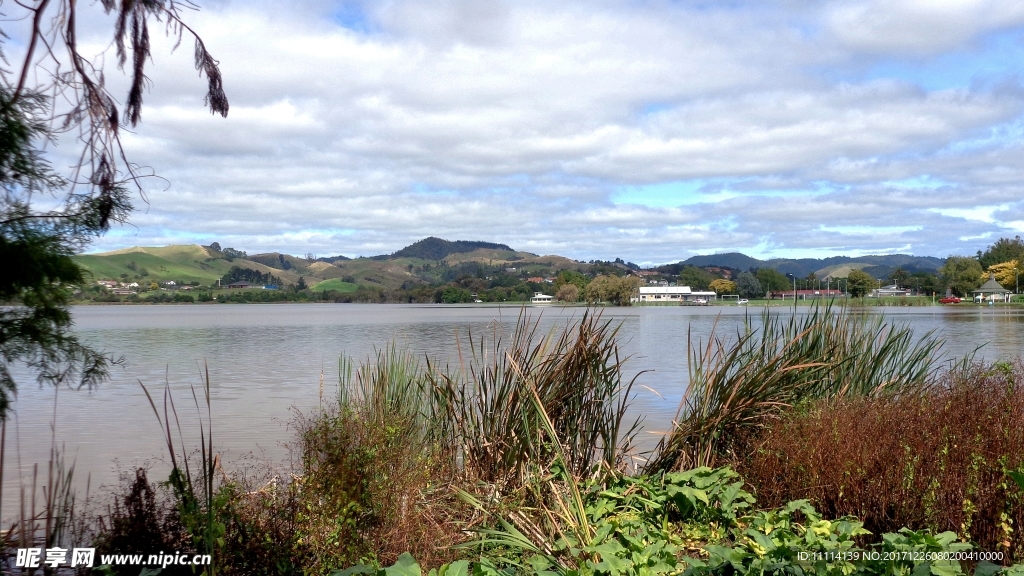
949,300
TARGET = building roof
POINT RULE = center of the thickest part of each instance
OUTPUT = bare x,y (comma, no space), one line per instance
991,287
665,290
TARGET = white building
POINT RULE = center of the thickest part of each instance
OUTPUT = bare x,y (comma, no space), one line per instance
541,298
673,294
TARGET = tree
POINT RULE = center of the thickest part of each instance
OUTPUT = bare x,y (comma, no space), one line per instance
1006,273
301,285
859,283
962,274
723,286
748,286
696,278
455,295
926,283
36,244
568,293
577,279
615,290
899,276
1002,250
772,280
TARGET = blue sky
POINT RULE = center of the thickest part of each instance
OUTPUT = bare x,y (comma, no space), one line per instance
650,131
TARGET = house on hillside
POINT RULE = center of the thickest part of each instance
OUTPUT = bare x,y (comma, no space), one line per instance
240,284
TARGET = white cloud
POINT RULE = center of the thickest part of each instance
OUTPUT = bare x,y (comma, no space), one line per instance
520,122
917,27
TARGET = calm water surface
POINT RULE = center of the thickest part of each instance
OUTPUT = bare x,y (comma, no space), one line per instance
265,363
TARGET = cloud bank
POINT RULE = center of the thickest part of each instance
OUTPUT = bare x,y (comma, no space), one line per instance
644,130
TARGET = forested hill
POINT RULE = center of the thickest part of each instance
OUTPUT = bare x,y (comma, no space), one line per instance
436,249
880,265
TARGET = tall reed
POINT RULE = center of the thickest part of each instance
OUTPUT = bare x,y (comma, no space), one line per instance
201,501
738,385
494,423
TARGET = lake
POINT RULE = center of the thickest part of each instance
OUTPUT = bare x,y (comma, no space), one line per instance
265,363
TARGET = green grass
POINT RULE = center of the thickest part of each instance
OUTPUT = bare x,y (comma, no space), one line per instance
179,263
335,284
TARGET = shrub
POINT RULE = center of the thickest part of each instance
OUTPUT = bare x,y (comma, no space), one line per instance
364,491
937,461
141,520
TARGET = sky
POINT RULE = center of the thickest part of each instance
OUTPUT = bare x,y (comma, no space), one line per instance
646,130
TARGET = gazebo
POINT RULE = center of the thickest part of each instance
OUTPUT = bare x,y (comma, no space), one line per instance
991,290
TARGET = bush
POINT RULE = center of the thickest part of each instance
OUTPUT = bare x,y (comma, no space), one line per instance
141,520
360,492
937,461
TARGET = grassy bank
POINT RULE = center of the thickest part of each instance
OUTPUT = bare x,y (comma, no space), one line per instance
832,442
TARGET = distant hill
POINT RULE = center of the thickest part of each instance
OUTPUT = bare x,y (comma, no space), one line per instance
418,265
733,260
415,265
878,266
437,249
181,263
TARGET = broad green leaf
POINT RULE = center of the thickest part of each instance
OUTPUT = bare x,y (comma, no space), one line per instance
406,566
356,570
1017,477
457,568
986,568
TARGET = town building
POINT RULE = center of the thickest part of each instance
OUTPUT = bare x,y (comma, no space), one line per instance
888,291
541,298
678,294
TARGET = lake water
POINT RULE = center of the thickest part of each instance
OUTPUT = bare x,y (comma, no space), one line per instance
265,362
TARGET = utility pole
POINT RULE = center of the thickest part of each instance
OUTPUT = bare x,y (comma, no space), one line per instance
794,290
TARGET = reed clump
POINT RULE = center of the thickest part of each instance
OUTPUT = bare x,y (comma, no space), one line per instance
493,423
739,385
938,460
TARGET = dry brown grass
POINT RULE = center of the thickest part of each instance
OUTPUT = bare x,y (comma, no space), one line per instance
936,460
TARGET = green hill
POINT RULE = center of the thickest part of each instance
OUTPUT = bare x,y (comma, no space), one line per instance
191,263
335,284
184,264
436,249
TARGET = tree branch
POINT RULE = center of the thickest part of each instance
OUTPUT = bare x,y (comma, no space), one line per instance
36,32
